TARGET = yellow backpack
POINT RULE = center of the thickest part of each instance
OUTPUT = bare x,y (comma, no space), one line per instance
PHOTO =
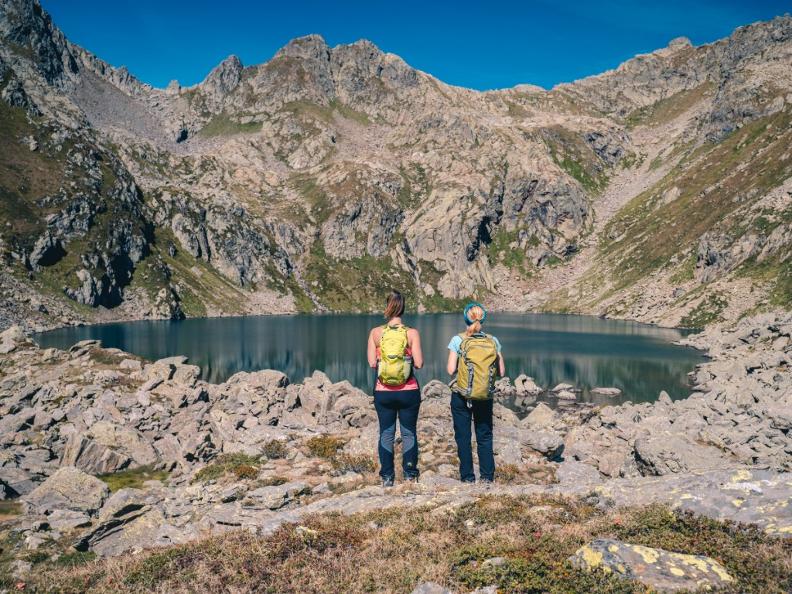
476,369
394,367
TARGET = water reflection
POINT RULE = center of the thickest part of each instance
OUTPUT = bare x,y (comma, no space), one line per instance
585,351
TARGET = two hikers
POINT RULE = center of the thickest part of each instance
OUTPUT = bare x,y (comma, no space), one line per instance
474,359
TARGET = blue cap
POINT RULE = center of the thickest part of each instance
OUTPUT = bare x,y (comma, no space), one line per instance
470,306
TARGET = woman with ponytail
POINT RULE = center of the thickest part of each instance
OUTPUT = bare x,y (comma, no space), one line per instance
394,351
474,358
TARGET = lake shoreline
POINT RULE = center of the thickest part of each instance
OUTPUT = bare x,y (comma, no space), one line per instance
100,411
586,351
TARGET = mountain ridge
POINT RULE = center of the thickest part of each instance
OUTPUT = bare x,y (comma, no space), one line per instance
319,178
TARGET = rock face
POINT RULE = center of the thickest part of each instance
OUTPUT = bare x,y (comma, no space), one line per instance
374,173
662,570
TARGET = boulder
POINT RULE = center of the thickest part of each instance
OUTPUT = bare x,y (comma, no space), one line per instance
566,395
662,570
547,443
68,489
91,456
126,440
525,386
563,387
664,453
606,391
540,417
186,374
10,339
436,389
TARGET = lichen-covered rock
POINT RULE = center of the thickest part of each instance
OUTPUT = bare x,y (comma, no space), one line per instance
662,570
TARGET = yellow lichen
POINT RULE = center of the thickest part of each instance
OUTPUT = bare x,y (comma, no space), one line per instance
741,476
647,554
738,502
592,558
676,571
704,566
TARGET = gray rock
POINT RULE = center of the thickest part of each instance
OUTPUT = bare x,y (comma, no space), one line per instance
436,389
606,391
68,489
64,520
275,497
91,456
566,395
547,443
664,453
540,417
662,570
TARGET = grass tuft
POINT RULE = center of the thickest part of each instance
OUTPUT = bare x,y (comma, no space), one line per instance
133,478
242,466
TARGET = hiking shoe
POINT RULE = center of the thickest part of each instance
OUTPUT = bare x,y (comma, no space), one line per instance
387,482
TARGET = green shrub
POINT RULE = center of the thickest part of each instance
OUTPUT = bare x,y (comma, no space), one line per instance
241,465
350,463
324,446
275,449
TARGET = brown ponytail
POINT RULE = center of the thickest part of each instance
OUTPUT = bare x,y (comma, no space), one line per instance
475,314
394,307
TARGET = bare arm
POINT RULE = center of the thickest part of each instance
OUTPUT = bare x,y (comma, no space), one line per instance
501,365
415,347
371,350
451,367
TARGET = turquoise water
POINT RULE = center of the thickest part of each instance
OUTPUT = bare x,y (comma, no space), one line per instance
581,350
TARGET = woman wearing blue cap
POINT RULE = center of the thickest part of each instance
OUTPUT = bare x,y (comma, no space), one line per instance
475,359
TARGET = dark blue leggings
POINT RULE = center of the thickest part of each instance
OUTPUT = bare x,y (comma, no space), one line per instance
479,413
390,406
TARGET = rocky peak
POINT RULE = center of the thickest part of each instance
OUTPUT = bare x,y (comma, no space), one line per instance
679,43
225,77
309,47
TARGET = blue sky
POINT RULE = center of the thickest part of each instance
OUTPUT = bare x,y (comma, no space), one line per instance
482,45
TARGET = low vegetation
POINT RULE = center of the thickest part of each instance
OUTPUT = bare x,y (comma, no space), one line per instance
239,465
324,446
351,463
275,449
133,478
394,550
706,312
222,125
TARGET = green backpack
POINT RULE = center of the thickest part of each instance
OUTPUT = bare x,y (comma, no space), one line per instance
394,366
476,369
